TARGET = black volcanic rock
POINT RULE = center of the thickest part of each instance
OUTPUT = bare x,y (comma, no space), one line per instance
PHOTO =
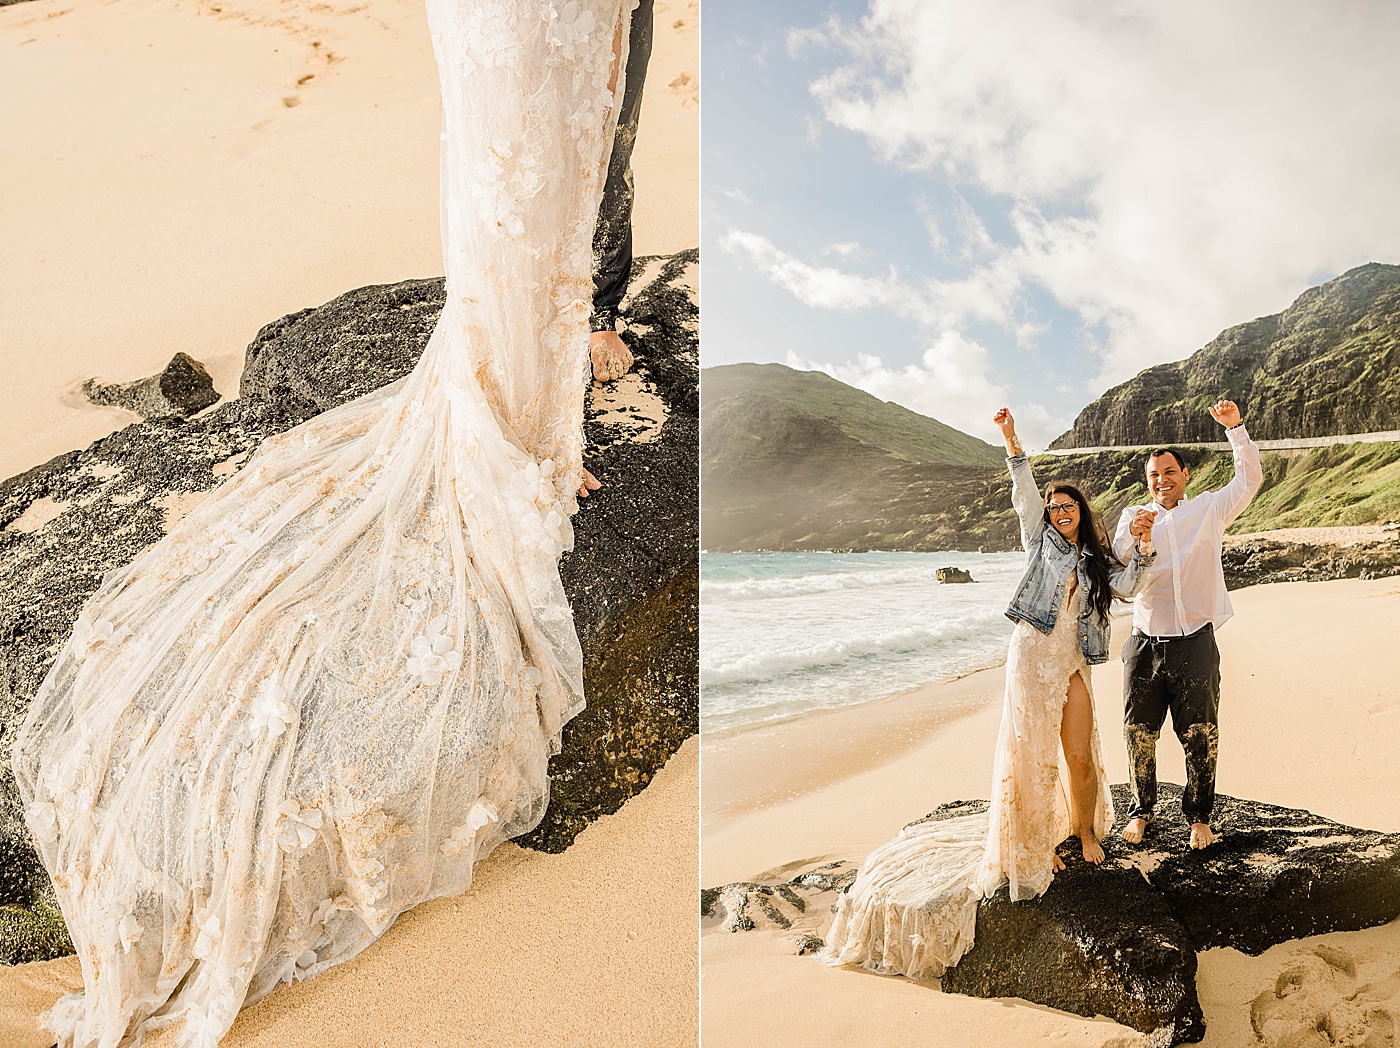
1328,364
1276,873
183,389
1259,559
1100,941
1121,939
632,577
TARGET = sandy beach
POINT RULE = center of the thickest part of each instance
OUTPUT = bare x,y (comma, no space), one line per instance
1310,718
180,173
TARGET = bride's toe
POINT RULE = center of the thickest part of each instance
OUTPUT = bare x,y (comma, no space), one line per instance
1059,863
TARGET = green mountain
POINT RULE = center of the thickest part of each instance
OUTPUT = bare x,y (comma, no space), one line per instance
1328,364
791,471
797,460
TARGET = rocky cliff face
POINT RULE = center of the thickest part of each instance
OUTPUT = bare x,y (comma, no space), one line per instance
632,577
1328,364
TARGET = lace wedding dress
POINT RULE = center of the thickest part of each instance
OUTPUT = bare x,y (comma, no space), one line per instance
913,907
337,683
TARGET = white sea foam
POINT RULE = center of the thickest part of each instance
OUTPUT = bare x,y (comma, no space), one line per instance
786,633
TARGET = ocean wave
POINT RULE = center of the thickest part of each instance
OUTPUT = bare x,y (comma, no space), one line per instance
802,585
766,666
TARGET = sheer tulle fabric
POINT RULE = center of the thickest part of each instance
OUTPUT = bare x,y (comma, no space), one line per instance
913,907
336,684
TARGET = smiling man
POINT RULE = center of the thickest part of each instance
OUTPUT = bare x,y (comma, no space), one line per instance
1171,662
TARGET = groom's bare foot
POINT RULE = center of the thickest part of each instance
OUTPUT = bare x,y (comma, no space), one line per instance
1202,836
611,357
1135,830
1093,851
590,483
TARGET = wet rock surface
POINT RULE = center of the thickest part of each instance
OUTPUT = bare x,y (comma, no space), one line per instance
1121,940
182,389
953,575
1252,561
632,577
1275,874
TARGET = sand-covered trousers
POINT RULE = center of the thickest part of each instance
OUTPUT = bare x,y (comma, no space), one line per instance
612,237
1180,674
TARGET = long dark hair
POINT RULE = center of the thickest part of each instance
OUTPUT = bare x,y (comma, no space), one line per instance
1093,539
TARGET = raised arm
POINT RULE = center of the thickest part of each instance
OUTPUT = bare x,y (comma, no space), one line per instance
1025,496
1126,577
1231,500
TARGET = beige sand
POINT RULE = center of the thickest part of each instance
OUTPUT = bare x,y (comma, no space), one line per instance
1310,718
179,173
593,946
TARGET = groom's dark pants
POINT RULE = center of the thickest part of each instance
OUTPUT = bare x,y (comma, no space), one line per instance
612,237
1180,675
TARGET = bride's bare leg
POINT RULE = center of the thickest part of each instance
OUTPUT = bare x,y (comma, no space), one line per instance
1076,726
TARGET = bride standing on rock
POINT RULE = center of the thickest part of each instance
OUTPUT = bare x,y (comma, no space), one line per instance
913,908
336,684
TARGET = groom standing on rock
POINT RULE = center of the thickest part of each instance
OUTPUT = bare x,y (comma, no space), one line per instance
1170,662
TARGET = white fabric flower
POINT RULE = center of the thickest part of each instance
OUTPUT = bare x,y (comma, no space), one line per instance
480,814
271,711
569,30
431,653
88,635
129,932
209,935
42,820
297,827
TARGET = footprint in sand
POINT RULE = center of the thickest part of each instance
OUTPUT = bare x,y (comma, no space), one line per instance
1317,1001
687,85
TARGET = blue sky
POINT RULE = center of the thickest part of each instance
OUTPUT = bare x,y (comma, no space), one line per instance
959,205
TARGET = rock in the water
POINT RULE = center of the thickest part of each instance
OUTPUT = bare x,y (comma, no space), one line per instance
1121,939
632,577
182,389
953,575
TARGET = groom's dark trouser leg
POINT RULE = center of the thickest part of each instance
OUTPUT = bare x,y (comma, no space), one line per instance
1145,699
1195,708
612,237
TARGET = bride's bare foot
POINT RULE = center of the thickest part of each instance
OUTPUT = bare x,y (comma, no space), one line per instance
1093,851
1202,836
611,357
590,483
1135,830
1059,863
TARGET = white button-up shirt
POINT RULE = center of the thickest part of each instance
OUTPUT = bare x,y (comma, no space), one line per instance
1185,588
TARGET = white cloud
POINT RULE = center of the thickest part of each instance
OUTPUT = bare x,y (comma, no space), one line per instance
953,381
1166,170
845,249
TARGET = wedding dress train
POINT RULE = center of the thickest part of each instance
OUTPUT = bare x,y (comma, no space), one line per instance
912,909
337,683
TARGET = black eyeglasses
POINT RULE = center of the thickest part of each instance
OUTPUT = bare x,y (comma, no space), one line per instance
1061,507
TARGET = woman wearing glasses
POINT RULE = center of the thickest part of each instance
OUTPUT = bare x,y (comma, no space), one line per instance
913,908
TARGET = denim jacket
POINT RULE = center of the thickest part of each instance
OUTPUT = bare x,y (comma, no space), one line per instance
1049,559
